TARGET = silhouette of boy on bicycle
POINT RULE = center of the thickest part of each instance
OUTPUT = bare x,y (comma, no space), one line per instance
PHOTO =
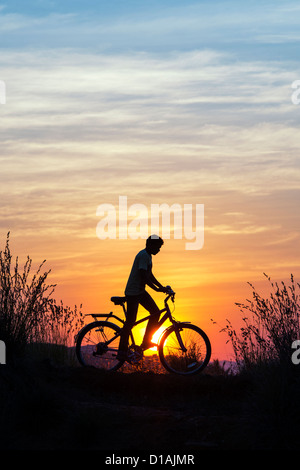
141,276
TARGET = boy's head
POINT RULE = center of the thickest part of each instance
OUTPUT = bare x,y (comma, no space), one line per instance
153,244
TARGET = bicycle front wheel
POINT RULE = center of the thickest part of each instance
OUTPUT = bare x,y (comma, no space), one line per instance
184,349
97,345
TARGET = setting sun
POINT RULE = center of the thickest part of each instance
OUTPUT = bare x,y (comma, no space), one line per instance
157,335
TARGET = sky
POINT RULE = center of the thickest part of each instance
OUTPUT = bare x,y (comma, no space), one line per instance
163,102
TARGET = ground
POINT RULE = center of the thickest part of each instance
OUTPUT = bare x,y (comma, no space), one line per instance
50,407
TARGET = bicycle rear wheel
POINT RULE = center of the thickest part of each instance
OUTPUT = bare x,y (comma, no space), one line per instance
196,353
97,345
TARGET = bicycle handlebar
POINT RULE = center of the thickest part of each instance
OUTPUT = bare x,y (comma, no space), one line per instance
170,293
170,290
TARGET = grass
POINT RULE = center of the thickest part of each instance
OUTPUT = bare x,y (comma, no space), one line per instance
270,326
29,314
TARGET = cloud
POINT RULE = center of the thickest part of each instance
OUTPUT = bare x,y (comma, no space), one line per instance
247,230
202,125
163,26
128,92
78,125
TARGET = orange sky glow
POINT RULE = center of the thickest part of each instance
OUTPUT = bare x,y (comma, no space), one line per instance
176,117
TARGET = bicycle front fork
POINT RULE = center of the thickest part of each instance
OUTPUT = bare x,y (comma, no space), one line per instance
179,339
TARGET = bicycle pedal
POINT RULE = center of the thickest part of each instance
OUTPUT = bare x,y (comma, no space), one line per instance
134,358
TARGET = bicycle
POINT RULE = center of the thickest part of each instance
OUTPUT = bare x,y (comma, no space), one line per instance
183,348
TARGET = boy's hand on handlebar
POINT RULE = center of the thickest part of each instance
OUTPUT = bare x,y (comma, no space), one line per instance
162,289
168,290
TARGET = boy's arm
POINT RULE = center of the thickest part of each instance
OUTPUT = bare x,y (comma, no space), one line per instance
151,281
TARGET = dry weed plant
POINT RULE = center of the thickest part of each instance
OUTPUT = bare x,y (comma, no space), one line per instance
270,325
28,312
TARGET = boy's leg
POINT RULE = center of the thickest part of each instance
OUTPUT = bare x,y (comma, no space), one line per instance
132,308
149,304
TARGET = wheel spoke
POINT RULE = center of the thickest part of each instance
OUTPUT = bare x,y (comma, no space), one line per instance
193,359
98,346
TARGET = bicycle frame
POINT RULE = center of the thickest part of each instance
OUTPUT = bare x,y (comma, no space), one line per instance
182,347
165,317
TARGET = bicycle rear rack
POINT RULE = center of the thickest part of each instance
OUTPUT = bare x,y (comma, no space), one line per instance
107,316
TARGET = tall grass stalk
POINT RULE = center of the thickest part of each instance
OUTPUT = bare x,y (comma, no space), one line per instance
270,325
28,312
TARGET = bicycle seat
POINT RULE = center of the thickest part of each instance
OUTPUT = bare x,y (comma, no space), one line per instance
118,300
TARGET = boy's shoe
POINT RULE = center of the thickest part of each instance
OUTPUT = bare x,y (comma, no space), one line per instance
134,358
134,355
